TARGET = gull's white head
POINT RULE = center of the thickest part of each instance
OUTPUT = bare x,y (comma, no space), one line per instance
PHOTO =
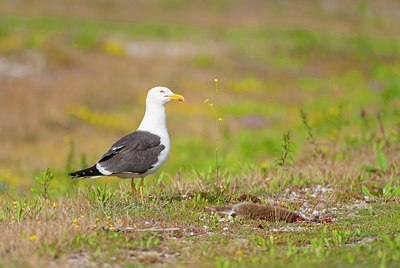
162,95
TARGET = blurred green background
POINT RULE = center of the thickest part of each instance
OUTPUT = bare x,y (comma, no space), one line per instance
74,76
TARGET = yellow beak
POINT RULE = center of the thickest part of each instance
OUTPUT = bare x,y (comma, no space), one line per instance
176,97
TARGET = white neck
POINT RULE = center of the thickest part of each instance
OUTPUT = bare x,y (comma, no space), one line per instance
154,119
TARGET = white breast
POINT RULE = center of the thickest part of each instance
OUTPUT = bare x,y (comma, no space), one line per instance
154,121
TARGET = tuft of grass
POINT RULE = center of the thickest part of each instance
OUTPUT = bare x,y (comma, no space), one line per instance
43,182
317,151
99,195
285,158
381,161
386,194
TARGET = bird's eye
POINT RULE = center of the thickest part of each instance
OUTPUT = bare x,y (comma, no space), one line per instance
162,91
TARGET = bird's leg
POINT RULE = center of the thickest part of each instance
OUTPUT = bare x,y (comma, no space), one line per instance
134,191
141,189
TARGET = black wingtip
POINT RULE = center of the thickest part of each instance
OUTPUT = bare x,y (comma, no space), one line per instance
87,172
73,175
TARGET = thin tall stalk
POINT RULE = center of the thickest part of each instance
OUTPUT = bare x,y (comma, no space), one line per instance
218,120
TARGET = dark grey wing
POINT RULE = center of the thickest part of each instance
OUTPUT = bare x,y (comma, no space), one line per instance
135,153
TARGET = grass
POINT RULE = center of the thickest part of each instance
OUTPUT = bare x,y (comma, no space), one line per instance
311,122
93,226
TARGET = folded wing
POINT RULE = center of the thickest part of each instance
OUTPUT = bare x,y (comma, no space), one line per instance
135,153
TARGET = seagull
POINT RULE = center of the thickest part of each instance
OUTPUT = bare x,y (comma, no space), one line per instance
141,152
